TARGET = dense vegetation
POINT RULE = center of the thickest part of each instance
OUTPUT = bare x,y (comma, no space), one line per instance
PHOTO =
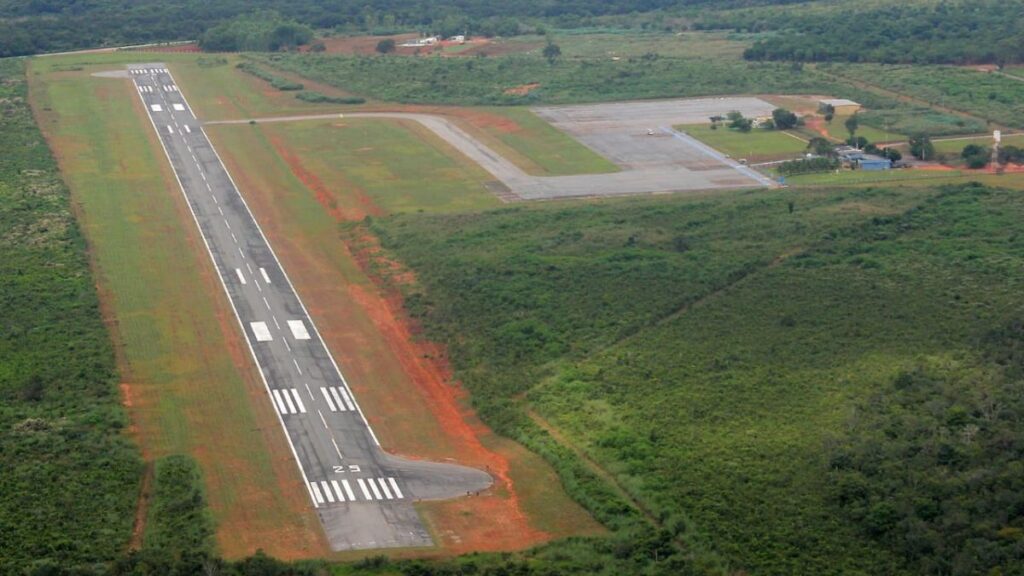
959,32
55,25
259,32
489,80
178,523
69,478
788,384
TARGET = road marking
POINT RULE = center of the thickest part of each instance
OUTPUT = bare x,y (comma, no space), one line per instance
241,277
265,300
330,403
219,209
298,329
348,490
384,487
298,401
275,322
286,345
394,485
316,491
288,400
249,267
228,224
156,108
296,362
187,129
348,401
337,490
170,129
373,486
260,330
362,486
203,176
334,392
321,414
266,277
178,107
240,251
280,403
327,491
336,449
233,238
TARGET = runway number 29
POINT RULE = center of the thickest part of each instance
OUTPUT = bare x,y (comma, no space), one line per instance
351,468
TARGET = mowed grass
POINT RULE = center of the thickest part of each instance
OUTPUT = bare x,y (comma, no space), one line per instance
189,382
299,201
534,145
957,145
756,145
379,165
837,130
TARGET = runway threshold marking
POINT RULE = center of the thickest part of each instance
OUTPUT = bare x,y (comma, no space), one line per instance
298,329
260,330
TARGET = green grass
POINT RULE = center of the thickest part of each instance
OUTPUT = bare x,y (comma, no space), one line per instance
485,81
398,165
988,96
69,477
178,522
956,146
756,146
549,150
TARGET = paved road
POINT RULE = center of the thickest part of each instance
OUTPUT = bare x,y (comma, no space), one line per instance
363,496
666,162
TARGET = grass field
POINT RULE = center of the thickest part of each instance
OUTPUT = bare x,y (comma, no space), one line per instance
992,97
534,145
188,380
756,145
373,166
957,145
302,193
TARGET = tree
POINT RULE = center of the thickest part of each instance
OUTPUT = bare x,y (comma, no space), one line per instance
552,52
975,156
851,124
784,119
830,112
921,148
820,146
386,46
892,154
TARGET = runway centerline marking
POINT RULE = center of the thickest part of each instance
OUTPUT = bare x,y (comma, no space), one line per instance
296,362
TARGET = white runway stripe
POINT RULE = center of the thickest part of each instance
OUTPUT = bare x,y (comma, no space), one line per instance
170,129
337,490
334,392
348,401
394,486
266,278
373,486
298,401
288,400
241,277
280,403
259,329
330,403
384,487
348,490
362,486
316,493
298,329
327,491
187,129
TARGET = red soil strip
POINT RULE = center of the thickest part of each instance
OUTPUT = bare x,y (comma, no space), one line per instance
524,89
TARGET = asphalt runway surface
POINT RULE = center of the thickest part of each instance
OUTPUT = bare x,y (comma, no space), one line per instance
363,496
637,136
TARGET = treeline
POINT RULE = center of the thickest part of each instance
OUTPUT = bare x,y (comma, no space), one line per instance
259,32
69,475
56,25
979,32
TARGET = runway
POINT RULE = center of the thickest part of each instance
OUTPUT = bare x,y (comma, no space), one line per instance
363,496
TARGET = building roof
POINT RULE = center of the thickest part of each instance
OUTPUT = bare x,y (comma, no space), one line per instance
838,102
